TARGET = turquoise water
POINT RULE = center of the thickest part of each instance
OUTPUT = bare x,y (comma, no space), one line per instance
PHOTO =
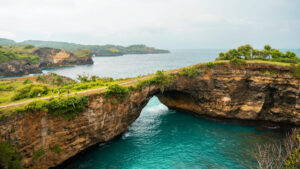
135,65
162,138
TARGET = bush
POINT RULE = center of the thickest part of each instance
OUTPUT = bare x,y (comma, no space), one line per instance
296,69
67,107
37,154
27,81
56,149
116,90
237,61
37,106
9,156
40,78
160,79
28,46
190,72
30,91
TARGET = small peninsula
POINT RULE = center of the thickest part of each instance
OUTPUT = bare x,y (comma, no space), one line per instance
29,59
97,50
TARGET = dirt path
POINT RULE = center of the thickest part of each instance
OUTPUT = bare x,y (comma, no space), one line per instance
86,92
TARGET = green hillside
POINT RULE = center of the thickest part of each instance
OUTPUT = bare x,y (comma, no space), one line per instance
98,50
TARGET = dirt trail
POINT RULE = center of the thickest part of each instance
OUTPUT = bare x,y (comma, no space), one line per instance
91,91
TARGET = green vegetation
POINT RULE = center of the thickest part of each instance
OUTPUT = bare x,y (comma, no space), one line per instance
82,53
237,62
160,79
105,50
117,91
9,156
4,41
56,149
8,54
38,154
30,91
27,81
190,72
67,107
247,52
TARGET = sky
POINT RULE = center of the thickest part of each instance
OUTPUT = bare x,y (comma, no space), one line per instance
169,24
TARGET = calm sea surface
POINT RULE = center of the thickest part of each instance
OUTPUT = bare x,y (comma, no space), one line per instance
164,138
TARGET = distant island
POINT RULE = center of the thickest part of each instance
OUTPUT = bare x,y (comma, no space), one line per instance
29,59
97,50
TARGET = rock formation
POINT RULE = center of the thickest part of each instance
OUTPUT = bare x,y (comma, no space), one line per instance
48,58
251,92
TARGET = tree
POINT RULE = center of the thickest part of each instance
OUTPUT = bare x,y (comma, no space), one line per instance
275,53
267,51
245,51
290,54
233,53
255,53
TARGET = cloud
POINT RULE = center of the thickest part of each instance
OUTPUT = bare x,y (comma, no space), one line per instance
197,23
8,35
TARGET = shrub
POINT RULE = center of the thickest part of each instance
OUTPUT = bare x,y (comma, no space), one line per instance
37,106
210,65
6,86
27,81
37,154
160,79
28,46
67,107
237,61
9,156
190,72
116,90
56,149
40,78
30,91
83,78
296,69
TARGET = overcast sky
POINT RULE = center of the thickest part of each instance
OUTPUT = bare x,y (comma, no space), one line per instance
169,24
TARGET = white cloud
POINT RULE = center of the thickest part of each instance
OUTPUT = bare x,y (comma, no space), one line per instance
155,22
8,35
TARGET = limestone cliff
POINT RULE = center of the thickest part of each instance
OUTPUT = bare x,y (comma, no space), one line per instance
48,57
56,57
252,92
18,67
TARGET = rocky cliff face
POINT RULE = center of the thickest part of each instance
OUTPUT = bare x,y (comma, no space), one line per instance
56,57
48,58
253,92
18,68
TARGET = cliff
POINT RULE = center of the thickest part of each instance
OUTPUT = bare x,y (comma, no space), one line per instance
256,92
18,61
55,57
18,67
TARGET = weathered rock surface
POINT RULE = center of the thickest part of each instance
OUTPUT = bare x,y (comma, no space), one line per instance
48,58
56,57
246,93
18,68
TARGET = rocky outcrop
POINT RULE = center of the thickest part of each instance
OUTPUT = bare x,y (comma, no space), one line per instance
56,57
259,92
252,92
48,58
18,68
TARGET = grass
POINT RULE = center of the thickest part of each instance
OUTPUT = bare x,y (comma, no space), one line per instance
82,53
9,53
37,154
119,87
9,156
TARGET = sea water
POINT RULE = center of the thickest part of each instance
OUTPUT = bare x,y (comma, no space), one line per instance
165,138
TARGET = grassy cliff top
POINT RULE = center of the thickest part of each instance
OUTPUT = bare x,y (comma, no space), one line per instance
96,49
